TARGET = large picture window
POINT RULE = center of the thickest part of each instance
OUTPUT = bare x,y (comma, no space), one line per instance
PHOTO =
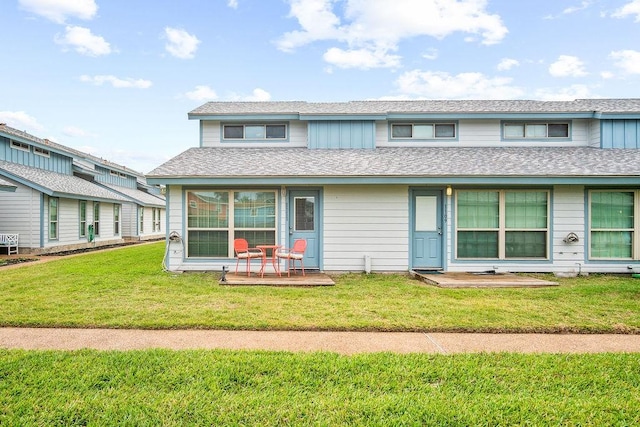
216,218
614,224
502,224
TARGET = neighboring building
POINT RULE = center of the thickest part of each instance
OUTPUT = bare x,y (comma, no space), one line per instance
521,186
65,199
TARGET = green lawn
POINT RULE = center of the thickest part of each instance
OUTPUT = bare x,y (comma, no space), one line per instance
127,288
268,388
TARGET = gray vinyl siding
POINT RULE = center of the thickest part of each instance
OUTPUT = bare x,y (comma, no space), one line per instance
568,217
211,131
129,220
594,133
366,220
20,213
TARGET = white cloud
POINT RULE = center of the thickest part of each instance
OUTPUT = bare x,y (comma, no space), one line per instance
442,85
180,43
564,94
258,94
507,63
202,93
361,58
76,132
572,9
631,8
628,60
116,82
378,26
83,41
232,4
607,75
20,120
567,66
58,10
431,54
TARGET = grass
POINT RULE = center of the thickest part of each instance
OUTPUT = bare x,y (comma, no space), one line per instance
127,288
162,387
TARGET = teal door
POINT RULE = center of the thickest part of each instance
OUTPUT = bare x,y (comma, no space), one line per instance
304,223
426,233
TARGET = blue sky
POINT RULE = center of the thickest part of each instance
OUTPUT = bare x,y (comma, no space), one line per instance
117,78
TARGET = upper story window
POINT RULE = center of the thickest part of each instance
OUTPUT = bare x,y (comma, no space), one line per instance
19,145
535,130
41,151
254,131
423,131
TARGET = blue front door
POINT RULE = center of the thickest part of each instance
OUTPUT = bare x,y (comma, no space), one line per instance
426,233
304,223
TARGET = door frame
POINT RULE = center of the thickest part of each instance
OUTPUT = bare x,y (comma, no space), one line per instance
442,199
317,192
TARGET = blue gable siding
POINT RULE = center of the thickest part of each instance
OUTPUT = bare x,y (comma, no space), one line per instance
54,162
620,133
342,134
105,176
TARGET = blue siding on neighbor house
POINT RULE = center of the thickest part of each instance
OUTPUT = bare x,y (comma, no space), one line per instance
620,133
342,134
54,162
104,176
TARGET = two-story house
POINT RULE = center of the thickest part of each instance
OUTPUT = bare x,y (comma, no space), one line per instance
64,199
477,185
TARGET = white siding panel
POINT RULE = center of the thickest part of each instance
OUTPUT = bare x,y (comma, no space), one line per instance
568,217
20,213
594,133
297,136
355,225
175,250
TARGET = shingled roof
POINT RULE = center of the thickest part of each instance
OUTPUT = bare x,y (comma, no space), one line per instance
208,162
602,106
57,184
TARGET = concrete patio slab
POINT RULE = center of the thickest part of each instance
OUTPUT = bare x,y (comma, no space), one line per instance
477,280
309,279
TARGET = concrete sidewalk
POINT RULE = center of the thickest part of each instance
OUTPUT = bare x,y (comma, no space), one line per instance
339,342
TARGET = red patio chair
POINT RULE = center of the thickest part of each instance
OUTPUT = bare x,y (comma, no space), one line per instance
296,253
243,251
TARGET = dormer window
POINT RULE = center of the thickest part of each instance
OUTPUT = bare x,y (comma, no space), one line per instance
255,131
423,131
535,130
41,152
19,145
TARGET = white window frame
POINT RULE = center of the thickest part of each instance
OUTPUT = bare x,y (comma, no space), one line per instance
433,135
96,219
245,125
524,125
82,222
41,152
502,228
141,220
54,221
231,217
22,146
635,231
117,213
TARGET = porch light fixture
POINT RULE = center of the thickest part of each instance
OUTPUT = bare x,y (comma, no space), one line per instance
449,190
